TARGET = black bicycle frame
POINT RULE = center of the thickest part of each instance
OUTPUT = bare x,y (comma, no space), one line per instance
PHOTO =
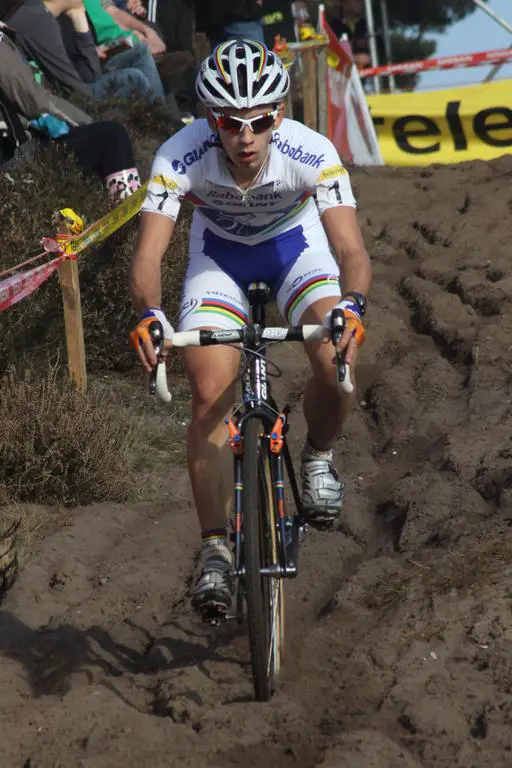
259,403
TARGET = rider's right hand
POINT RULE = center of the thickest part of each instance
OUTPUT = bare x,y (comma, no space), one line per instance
141,339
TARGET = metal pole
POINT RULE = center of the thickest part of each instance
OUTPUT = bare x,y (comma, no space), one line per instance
387,41
498,19
493,72
501,21
373,45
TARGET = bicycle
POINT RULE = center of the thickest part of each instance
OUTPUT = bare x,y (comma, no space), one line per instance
266,538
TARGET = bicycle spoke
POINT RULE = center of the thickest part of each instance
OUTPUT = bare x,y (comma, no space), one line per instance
274,650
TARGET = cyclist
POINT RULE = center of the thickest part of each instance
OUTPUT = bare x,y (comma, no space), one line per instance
270,195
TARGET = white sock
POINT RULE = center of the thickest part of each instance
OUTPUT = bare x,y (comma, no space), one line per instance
312,454
215,545
215,542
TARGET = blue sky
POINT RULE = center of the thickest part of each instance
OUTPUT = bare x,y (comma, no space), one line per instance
477,32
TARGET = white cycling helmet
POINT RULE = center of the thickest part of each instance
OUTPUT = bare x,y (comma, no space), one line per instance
241,74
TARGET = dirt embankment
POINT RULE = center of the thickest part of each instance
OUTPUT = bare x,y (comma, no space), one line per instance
400,624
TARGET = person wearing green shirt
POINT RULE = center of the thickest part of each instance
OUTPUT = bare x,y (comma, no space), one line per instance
141,43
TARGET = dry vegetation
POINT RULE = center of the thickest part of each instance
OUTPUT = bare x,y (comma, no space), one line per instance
56,446
60,447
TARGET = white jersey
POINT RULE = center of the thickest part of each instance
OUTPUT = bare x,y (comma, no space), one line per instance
302,178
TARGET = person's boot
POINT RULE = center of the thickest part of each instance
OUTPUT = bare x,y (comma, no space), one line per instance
174,62
322,490
122,184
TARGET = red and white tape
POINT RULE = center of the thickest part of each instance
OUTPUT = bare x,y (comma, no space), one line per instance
497,56
19,286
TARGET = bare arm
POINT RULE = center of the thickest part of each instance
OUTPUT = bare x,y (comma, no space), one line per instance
342,229
127,21
154,235
79,20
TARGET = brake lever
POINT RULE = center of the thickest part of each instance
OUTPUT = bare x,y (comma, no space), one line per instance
342,368
156,332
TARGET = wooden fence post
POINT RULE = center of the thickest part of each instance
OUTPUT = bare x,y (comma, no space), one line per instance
289,104
70,286
322,88
309,88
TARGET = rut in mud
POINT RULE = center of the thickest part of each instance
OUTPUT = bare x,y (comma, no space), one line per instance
400,623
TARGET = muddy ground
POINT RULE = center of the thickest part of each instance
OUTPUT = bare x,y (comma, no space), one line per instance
400,624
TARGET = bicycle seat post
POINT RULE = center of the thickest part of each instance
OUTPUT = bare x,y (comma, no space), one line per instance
258,294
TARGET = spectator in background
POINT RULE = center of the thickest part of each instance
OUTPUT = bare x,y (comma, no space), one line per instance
350,20
175,22
175,19
101,148
113,27
127,21
38,36
280,17
230,19
135,7
259,20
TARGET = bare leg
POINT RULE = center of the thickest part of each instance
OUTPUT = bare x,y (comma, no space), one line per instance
325,408
211,372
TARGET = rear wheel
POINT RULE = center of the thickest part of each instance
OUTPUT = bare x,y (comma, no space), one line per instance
264,594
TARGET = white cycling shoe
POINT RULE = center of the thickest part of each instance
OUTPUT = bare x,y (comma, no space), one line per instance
213,589
322,490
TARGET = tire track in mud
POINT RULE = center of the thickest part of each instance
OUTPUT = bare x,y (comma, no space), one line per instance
398,624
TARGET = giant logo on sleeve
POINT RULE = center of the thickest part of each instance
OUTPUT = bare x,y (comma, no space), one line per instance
194,155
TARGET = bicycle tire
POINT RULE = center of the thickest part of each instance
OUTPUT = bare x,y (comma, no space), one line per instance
258,521
277,623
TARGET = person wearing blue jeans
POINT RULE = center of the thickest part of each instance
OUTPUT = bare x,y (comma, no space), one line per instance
139,58
248,30
67,55
122,84
230,19
122,74
137,54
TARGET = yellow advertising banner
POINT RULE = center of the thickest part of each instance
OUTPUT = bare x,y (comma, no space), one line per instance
472,122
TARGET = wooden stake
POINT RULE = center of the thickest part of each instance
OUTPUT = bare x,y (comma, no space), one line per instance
69,283
289,105
309,88
323,99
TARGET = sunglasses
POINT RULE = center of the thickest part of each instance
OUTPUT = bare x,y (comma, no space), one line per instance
235,125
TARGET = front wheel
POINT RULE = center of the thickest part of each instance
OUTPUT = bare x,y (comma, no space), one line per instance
264,594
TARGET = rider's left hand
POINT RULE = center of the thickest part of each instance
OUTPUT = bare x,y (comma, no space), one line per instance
354,333
141,339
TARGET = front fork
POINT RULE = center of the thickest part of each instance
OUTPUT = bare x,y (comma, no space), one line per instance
291,529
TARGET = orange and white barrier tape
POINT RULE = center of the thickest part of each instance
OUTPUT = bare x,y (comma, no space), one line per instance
477,59
21,285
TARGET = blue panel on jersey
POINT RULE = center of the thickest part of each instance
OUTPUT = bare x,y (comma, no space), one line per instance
267,262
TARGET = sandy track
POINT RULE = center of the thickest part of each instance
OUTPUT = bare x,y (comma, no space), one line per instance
399,626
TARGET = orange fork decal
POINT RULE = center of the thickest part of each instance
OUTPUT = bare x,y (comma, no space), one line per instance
276,436
235,438
280,505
